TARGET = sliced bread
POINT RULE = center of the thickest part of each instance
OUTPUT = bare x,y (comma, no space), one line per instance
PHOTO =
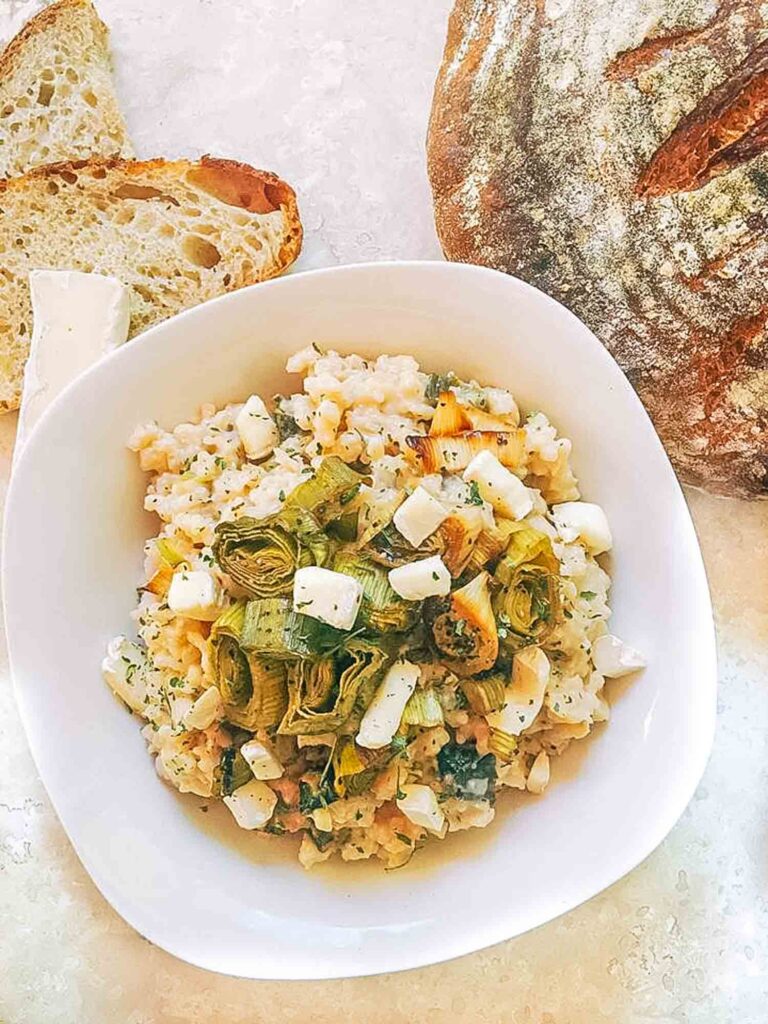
176,233
57,99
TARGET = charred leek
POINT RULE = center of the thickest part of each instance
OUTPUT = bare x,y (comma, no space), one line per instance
464,628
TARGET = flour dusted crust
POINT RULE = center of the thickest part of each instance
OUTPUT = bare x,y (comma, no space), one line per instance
613,154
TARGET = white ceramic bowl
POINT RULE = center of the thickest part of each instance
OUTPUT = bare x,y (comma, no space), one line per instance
192,882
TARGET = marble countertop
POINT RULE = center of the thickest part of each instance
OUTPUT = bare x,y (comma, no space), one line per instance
335,96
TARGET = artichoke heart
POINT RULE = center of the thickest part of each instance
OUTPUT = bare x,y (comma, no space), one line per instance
450,418
527,603
526,544
322,693
464,628
253,689
453,454
262,555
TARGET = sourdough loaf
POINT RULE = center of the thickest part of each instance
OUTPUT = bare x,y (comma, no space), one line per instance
177,233
614,156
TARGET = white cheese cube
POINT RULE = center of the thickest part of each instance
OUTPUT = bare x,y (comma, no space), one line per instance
331,597
256,428
581,520
419,805
195,594
524,695
613,658
125,671
497,485
205,710
428,577
252,804
381,720
419,516
321,816
500,402
262,760
538,776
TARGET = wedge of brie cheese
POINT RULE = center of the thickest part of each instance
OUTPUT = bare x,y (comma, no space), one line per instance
77,318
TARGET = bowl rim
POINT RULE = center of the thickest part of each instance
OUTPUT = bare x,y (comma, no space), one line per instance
476,938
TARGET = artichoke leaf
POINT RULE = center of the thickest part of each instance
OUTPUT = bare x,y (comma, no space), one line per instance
358,666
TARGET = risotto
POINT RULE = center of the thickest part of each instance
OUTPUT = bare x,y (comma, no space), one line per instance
372,606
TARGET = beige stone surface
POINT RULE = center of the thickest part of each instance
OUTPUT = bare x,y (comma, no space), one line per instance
334,95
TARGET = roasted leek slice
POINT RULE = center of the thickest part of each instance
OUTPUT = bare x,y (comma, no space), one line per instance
453,454
450,418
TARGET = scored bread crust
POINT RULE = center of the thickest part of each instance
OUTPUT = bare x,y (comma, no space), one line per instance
618,161
177,232
65,38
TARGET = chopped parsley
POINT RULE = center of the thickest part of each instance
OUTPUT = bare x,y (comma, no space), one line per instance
474,494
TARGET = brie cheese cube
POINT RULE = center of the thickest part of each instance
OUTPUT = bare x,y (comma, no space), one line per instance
205,710
257,429
581,520
419,516
252,804
428,577
195,594
381,720
524,695
331,597
262,760
497,485
419,805
77,318
612,658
